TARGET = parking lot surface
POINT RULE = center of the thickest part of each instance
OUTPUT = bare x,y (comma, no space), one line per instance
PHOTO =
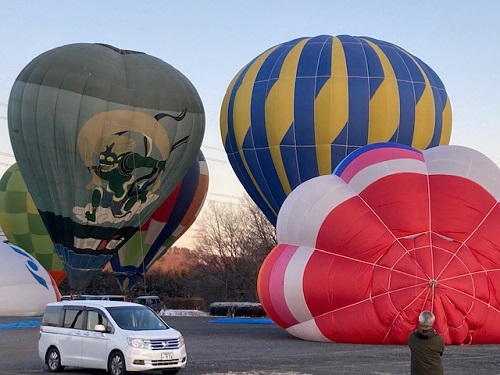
244,348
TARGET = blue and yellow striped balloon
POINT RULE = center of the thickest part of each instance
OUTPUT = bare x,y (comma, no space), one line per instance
299,108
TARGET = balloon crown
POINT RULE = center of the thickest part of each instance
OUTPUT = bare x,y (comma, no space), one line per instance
120,51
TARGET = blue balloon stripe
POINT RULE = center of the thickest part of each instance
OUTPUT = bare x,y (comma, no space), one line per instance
271,67
291,163
439,102
341,138
258,114
338,152
181,206
355,59
303,108
230,144
309,59
438,119
251,189
359,114
416,75
308,163
407,104
365,75
374,84
264,172
289,159
398,64
324,64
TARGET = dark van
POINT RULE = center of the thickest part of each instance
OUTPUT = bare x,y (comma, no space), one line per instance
153,302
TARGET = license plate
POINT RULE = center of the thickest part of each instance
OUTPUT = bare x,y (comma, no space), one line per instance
165,356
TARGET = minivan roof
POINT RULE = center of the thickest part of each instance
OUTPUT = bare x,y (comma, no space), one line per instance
93,302
147,297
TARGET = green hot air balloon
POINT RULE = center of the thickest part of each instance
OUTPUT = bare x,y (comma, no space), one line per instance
23,225
101,136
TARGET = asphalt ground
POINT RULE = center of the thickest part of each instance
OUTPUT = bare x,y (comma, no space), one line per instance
246,348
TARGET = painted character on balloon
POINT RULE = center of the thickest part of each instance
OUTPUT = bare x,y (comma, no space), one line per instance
127,170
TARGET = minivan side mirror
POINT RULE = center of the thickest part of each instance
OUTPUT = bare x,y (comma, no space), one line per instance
100,328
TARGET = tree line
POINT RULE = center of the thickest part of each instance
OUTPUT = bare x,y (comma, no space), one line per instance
232,242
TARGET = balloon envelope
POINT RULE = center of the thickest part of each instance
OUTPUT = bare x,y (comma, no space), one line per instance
23,225
25,286
296,110
168,223
101,136
393,232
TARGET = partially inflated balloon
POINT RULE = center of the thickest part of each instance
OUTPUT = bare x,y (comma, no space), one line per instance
22,224
169,222
393,232
101,136
299,108
25,286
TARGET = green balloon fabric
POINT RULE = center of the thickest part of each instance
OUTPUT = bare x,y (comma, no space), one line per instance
23,225
101,136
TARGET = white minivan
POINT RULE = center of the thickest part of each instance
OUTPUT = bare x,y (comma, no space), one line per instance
109,335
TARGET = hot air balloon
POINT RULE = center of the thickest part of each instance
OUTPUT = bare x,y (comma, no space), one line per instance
23,226
394,231
101,136
25,286
296,110
167,224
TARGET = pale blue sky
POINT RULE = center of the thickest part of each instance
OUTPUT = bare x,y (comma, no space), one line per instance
210,41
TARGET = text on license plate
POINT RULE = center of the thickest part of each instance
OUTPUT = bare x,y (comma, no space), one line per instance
167,355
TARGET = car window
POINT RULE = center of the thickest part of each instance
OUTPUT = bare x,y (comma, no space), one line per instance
136,318
52,316
74,319
96,317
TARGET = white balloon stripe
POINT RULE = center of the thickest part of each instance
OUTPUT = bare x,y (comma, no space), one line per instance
294,276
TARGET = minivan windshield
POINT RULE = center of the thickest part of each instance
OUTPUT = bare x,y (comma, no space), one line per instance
136,318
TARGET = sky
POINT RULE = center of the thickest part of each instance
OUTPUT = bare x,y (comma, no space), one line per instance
210,41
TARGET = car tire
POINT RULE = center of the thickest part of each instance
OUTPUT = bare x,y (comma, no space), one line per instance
170,371
116,364
53,360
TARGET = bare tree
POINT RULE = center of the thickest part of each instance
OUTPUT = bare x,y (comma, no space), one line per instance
234,241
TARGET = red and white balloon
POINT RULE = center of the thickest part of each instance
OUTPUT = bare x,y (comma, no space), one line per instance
391,232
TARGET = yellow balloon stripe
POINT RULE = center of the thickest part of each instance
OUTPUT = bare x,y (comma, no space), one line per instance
384,104
446,124
425,113
242,114
279,110
243,101
331,108
224,124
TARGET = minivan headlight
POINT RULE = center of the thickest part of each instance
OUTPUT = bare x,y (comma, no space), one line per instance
138,343
181,341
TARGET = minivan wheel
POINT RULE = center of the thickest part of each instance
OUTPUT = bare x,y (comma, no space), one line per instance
53,360
116,364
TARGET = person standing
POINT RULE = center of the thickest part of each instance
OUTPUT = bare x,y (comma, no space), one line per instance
426,347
